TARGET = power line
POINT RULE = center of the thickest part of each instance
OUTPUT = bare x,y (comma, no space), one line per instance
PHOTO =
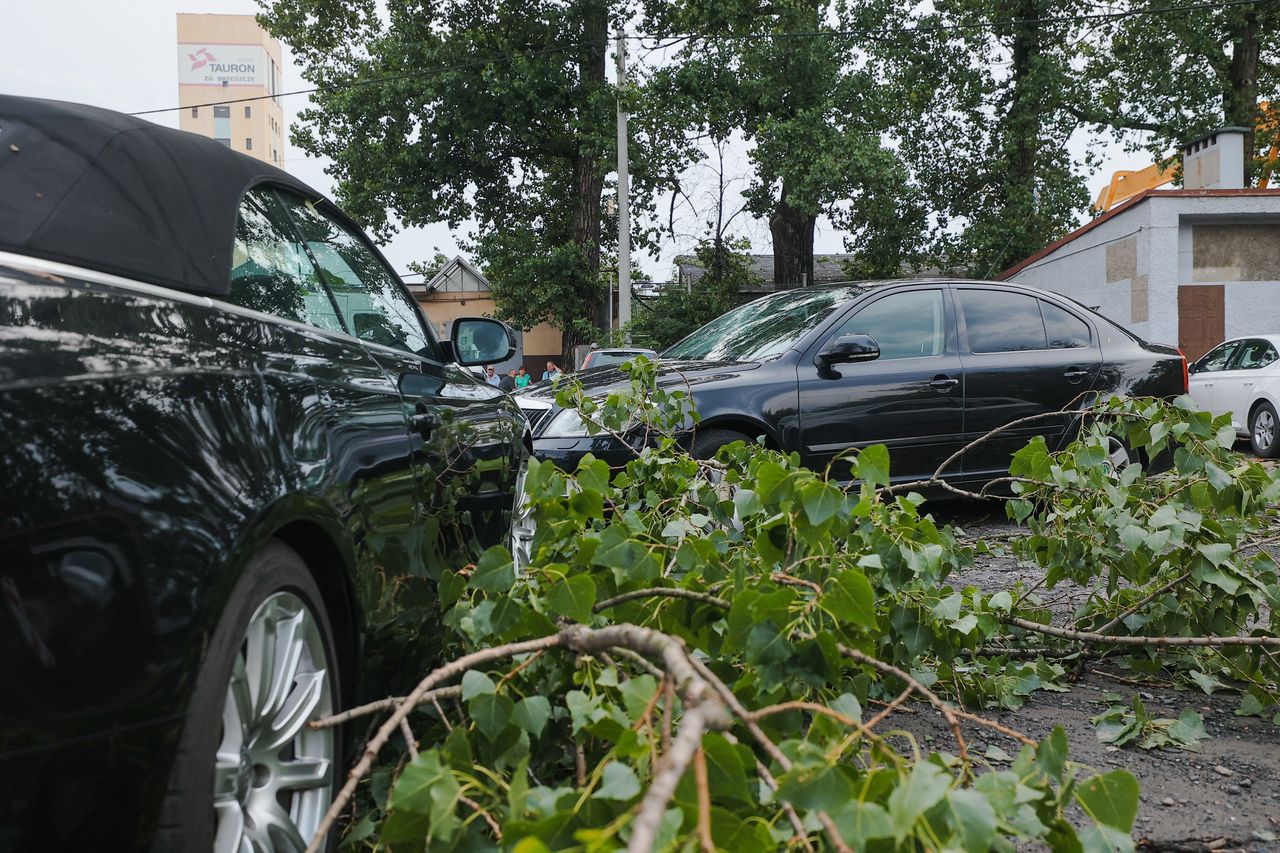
677,38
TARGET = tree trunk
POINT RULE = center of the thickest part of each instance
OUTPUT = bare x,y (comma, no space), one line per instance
792,232
589,169
1019,141
1240,100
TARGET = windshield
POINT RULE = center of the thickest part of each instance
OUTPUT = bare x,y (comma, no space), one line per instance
762,329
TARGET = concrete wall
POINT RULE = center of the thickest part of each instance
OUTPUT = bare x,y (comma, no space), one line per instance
1129,267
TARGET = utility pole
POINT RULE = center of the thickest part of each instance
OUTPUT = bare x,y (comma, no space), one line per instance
624,201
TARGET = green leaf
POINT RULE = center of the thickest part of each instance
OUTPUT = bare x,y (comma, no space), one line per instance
1249,706
821,501
426,787
1111,799
494,571
923,788
850,598
619,782
531,714
726,771
975,819
491,712
1001,602
1051,754
873,465
475,682
572,597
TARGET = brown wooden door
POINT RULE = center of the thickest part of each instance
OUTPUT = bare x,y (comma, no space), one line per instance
1201,318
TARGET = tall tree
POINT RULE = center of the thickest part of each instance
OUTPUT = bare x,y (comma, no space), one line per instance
983,91
492,111
781,75
1179,74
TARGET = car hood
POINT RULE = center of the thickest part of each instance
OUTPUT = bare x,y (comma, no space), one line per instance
672,373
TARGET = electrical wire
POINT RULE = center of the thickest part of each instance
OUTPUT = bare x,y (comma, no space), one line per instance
676,38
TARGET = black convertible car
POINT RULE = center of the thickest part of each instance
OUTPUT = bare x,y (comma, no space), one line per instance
923,366
235,460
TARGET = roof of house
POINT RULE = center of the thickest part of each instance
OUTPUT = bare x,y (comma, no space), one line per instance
1125,207
442,276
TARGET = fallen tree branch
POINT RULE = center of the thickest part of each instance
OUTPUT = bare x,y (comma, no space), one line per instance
385,705
1134,608
661,592
1094,637
444,673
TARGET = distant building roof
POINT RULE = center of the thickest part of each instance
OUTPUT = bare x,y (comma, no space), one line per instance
826,268
456,276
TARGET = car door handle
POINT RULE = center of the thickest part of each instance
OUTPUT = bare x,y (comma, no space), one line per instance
943,384
1075,374
1248,384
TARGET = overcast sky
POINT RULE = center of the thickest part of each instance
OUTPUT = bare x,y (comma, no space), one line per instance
122,56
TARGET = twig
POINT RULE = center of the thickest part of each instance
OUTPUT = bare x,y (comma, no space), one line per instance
1145,601
409,740
801,833
383,705
518,669
661,592
891,707
480,810
1093,637
948,713
580,765
799,705
444,673
448,726
992,724
640,661
705,840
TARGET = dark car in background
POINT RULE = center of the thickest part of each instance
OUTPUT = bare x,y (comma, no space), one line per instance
235,459
924,367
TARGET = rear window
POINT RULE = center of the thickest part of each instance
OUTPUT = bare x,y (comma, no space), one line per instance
1001,321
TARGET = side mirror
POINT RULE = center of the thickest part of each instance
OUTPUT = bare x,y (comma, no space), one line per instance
847,349
479,341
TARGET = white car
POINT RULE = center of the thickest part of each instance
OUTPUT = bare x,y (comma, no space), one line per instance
1242,377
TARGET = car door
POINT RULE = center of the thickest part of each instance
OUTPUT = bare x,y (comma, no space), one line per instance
1236,385
1205,374
1023,356
337,400
910,398
463,438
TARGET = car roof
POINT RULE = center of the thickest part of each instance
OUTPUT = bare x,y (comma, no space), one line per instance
1274,340
119,194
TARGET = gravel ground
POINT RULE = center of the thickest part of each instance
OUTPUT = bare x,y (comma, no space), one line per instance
1224,797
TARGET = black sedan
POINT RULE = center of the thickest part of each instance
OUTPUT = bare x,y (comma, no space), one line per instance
235,462
923,366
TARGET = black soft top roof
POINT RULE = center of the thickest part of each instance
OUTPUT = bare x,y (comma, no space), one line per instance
115,193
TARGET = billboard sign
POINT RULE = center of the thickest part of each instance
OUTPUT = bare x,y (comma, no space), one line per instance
201,64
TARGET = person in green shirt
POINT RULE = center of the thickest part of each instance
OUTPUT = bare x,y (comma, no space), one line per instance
522,377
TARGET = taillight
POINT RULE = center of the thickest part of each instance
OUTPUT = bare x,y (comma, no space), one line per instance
1186,373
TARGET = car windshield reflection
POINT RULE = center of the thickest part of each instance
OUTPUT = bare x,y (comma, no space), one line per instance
762,329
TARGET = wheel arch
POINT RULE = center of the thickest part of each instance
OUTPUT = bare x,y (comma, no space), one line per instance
748,426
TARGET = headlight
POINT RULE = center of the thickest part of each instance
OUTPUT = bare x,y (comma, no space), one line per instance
566,424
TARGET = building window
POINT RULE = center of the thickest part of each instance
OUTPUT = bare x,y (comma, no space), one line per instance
222,112
222,140
195,112
248,112
248,143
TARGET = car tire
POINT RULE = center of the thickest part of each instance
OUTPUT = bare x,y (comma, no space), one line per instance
707,442
1264,431
272,778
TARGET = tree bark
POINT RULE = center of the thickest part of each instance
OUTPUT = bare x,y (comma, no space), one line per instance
1240,100
792,232
589,169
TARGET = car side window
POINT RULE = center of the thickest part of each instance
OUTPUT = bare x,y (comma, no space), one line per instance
1217,358
370,300
1064,329
1252,355
1001,321
270,272
905,325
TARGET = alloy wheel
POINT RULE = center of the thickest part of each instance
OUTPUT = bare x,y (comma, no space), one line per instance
273,774
1264,428
1117,457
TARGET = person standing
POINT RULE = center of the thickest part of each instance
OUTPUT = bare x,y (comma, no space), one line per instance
551,372
523,378
491,377
508,382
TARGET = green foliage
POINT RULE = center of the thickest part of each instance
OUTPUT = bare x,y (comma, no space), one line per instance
799,594
679,311
1121,726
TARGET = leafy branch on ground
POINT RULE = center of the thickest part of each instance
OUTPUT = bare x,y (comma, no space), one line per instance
709,654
